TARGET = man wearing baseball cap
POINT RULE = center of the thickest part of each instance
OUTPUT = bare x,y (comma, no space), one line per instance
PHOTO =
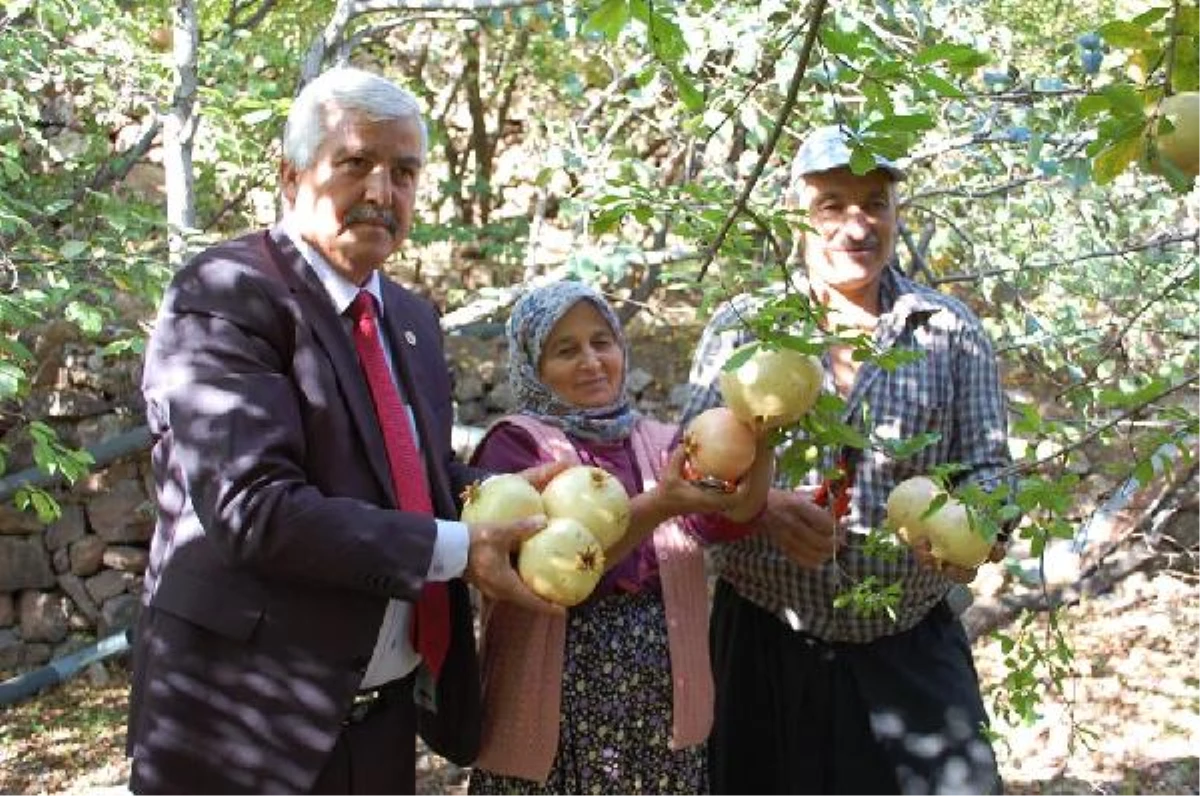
813,693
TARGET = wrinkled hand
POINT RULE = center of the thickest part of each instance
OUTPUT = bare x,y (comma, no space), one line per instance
490,563
803,530
675,494
752,490
541,474
923,552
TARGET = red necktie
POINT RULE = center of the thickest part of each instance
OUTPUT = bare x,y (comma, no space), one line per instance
431,621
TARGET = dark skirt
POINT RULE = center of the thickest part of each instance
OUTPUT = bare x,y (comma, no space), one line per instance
901,714
616,708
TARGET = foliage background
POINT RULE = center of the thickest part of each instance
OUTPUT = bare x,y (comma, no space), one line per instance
642,146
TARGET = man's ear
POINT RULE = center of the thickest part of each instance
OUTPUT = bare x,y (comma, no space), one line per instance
289,182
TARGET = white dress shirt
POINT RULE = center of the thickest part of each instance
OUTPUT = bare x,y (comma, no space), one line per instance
394,655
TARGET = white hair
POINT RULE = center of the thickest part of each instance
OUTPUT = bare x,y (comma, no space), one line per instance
345,88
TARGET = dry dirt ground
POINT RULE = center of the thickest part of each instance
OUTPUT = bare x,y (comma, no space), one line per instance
1133,702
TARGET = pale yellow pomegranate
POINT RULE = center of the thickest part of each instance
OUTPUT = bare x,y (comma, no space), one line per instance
948,527
907,501
562,562
719,447
501,498
1181,145
952,539
772,389
591,497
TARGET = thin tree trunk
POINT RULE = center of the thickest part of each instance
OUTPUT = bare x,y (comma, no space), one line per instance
179,132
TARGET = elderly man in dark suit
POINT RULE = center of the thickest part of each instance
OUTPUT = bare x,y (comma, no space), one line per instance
306,485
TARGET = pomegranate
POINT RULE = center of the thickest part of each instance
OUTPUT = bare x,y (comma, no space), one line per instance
562,562
719,447
952,539
907,501
772,389
501,498
951,536
592,497
1179,146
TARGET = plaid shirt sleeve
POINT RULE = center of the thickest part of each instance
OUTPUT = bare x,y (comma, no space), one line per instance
981,443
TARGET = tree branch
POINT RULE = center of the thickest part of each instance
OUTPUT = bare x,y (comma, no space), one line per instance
111,171
768,149
1191,237
252,21
1130,414
463,6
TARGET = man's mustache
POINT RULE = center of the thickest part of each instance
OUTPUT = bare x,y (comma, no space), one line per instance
846,243
370,214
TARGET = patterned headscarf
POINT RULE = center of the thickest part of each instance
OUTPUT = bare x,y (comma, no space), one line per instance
532,320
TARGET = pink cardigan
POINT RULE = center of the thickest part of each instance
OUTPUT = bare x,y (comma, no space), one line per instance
522,651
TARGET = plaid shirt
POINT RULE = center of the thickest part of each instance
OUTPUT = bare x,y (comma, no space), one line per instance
953,390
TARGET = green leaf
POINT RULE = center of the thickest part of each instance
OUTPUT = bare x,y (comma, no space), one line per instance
1184,75
72,248
11,379
1148,18
904,448
1091,105
609,19
1144,472
1114,159
961,55
940,86
40,501
88,319
15,349
861,161
689,95
1126,35
257,117
840,41
897,357
665,38
1123,100
915,122
740,357
1189,19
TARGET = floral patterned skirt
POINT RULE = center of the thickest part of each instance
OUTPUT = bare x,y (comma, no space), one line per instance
616,708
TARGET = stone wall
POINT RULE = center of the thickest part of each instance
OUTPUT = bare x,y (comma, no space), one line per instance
65,584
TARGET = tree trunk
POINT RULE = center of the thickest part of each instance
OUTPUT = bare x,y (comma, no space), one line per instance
179,132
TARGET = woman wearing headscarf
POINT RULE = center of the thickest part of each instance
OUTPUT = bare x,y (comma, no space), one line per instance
616,697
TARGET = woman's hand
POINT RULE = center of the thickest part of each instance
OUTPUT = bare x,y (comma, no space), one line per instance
541,474
750,497
675,494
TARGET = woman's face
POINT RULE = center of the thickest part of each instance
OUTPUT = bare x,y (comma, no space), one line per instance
582,360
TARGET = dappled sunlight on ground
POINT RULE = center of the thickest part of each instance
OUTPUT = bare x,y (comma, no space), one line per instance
1128,721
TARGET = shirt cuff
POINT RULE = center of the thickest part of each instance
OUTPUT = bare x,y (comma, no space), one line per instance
449,551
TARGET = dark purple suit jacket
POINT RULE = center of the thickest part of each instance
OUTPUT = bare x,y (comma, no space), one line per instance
278,544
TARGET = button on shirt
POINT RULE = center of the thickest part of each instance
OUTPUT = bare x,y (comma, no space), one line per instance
954,390
394,656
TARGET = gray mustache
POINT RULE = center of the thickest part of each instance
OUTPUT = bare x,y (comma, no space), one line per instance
371,214
870,242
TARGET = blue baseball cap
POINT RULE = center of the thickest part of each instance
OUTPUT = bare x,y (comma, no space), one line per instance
826,148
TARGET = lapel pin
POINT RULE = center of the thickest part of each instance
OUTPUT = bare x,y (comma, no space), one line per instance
410,338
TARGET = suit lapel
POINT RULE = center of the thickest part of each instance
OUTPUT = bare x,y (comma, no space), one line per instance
330,332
